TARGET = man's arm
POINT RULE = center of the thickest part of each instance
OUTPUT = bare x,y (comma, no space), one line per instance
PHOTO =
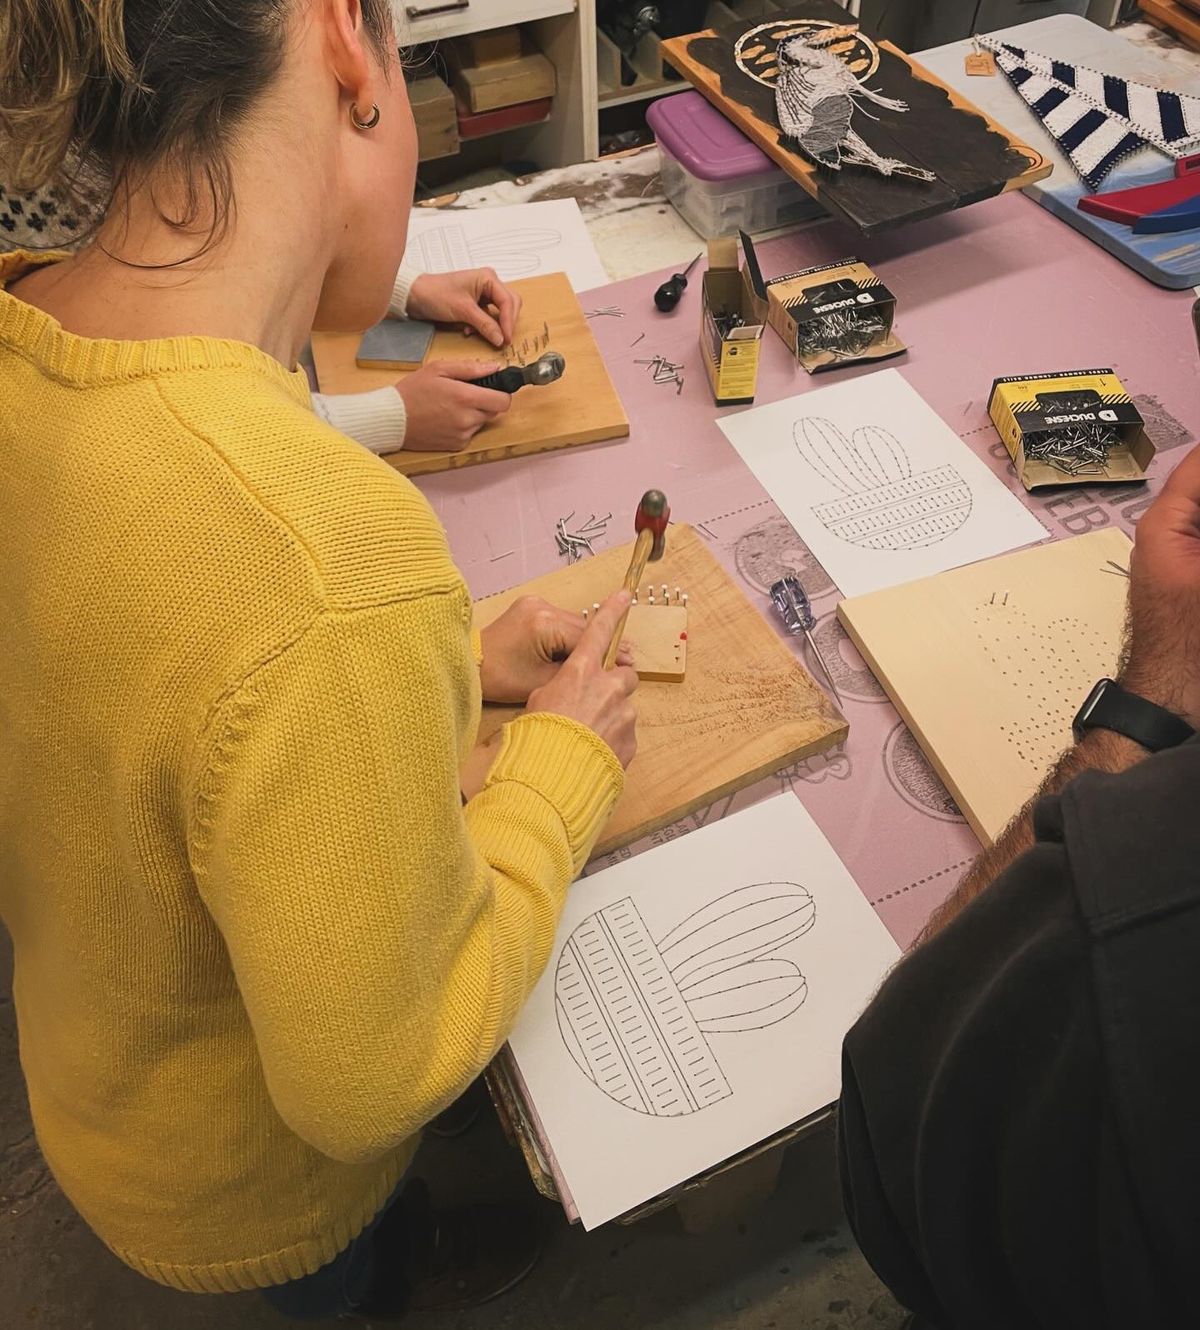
1160,662
1099,750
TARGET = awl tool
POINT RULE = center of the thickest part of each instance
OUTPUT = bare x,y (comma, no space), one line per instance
545,369
667,296
795,609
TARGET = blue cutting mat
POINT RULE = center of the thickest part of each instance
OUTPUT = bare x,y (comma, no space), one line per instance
1171,260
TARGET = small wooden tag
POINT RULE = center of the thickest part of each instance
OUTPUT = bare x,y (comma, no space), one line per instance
981,63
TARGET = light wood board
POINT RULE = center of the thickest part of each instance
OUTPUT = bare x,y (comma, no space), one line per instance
971,156
989,664
582,407
746,707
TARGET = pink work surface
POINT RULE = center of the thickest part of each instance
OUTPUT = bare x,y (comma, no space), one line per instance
1001,288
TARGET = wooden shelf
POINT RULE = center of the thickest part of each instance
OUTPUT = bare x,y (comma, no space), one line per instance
640,91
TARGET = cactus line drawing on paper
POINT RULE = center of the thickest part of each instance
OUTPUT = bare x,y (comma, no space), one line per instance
511,253
885,506
636,1014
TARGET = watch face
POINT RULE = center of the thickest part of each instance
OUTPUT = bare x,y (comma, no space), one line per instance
1083,717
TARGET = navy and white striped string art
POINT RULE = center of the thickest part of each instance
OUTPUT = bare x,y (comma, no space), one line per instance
1098,119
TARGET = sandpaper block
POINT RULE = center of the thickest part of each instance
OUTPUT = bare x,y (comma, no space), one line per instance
395,344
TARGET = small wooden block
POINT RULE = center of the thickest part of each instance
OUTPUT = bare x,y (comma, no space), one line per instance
481,125
659,637
434,113
488,48
507,83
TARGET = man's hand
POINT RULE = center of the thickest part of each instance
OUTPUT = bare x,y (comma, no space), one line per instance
443,411
1162,652
525,647
477,299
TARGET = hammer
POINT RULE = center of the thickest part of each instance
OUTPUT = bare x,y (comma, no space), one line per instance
545,369
650,523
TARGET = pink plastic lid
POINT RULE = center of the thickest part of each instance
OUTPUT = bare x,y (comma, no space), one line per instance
703,140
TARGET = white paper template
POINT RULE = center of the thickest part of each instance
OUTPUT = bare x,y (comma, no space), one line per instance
877,485
518,240
695,1003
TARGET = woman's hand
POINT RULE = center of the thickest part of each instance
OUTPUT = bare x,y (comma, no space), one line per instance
443,410
525,648
584,691
477,299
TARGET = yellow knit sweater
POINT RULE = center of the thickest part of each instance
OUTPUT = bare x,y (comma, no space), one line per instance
259,941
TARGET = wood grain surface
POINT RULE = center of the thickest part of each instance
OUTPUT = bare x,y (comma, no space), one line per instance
582,407
746,707
1023,639
972,156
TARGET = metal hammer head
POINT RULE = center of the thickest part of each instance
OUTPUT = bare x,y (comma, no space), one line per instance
653,514
545,369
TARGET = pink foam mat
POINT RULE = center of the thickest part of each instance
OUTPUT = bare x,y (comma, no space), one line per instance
1000,289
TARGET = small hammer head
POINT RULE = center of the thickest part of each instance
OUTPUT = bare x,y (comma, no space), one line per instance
545,369
653,514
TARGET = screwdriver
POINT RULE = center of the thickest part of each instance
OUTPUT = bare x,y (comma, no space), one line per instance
667,295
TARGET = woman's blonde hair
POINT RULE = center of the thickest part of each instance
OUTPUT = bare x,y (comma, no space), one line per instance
97,89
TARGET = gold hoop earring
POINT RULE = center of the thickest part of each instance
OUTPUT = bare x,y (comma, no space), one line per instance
364,124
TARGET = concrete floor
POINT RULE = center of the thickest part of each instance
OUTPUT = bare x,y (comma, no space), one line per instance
791,1264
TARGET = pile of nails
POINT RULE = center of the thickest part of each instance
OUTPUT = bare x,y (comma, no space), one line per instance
726,322
843,334
1075,450
664,371
605,311
573,543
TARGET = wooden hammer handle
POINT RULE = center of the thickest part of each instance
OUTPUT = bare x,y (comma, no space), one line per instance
633,578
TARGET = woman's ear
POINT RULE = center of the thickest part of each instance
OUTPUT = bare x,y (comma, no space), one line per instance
349,45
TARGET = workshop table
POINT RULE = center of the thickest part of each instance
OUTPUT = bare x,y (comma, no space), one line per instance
1000,288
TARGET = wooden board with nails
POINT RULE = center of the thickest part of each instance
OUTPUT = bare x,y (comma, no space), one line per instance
582,407
970,155
1031,633
745,708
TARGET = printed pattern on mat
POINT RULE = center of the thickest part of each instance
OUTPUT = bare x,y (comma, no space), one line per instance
886,507
635,1014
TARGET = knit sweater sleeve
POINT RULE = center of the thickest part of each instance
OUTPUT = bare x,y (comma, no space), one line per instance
384,937
376,419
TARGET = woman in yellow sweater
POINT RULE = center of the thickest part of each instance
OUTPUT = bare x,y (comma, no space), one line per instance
270,912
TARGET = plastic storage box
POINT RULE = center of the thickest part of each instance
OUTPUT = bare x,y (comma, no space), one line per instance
719,182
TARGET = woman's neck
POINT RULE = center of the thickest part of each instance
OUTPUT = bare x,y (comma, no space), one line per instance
142,279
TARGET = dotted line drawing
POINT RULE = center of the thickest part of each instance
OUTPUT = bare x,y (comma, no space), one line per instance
885,506
923,881
636,1014
1050,665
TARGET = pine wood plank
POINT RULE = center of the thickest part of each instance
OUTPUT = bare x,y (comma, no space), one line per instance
582,407
746,707
1183,22
972,156
1022,640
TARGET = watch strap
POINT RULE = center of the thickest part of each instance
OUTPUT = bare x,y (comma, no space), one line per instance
1111,707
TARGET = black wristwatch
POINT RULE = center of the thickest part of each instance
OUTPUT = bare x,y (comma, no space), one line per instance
1110,707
